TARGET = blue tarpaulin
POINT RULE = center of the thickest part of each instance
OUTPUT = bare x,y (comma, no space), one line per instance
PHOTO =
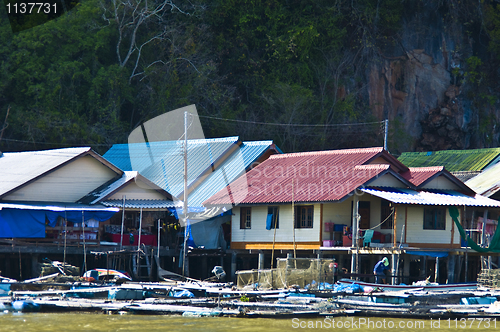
25,223
428,253
269,221
19,223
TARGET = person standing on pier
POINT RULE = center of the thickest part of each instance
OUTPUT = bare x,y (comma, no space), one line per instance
379,269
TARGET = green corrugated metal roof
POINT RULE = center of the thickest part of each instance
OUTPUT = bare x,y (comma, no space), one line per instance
452,160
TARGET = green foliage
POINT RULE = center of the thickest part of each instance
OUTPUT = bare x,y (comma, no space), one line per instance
88,78
492,24
473,73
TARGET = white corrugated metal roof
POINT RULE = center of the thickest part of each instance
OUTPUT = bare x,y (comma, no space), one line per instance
430,197
126,177
18,168
142,203
486,183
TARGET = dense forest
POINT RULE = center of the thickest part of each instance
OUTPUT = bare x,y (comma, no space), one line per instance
298,72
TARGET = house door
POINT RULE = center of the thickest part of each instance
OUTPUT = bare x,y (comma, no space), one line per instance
364,212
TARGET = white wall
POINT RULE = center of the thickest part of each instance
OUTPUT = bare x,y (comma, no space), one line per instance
259,233
417,234
441,183
133,191
340,213
67,184
387,180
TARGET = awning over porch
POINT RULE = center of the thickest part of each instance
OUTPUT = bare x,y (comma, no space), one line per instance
143,203
430,197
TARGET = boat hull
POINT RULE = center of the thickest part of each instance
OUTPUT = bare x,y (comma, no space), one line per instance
445,287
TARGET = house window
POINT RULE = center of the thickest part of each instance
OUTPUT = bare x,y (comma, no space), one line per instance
272,217
245,218
304,216
386,213
434,218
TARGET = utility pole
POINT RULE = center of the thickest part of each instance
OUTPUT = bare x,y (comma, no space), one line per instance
4,123
386,132
355,233
185,206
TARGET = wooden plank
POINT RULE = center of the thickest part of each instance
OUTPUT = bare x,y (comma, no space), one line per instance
278,245
452,233
394,224
435,245
406,221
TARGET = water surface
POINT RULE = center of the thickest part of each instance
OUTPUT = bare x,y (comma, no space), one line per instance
41,322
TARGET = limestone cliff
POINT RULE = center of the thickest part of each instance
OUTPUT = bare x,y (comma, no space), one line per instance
420,82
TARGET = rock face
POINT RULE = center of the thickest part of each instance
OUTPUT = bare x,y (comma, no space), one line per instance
441,128
412,85
407,89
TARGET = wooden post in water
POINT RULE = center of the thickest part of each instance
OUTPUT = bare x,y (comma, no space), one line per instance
355,236
123,222
84,249
293,222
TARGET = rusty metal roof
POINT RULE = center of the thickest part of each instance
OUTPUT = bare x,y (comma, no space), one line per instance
236,164
310,176
430,197
419,175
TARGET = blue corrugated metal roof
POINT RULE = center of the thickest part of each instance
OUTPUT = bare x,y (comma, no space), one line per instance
163,164
430,197
231,169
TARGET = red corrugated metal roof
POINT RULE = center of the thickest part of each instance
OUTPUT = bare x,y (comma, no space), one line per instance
418,175
316,177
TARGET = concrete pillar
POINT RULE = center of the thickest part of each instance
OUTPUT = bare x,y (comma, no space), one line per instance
187,266
34,266
7,272
436,271
233,266
261,261
466,263
406,268
451,268
289,257
423,267
393,268
204,269
355,236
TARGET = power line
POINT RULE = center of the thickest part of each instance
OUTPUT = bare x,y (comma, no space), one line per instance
292,124
216,118
50,143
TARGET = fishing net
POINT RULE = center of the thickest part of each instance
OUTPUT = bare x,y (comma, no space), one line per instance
489,278
304,273
315,273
